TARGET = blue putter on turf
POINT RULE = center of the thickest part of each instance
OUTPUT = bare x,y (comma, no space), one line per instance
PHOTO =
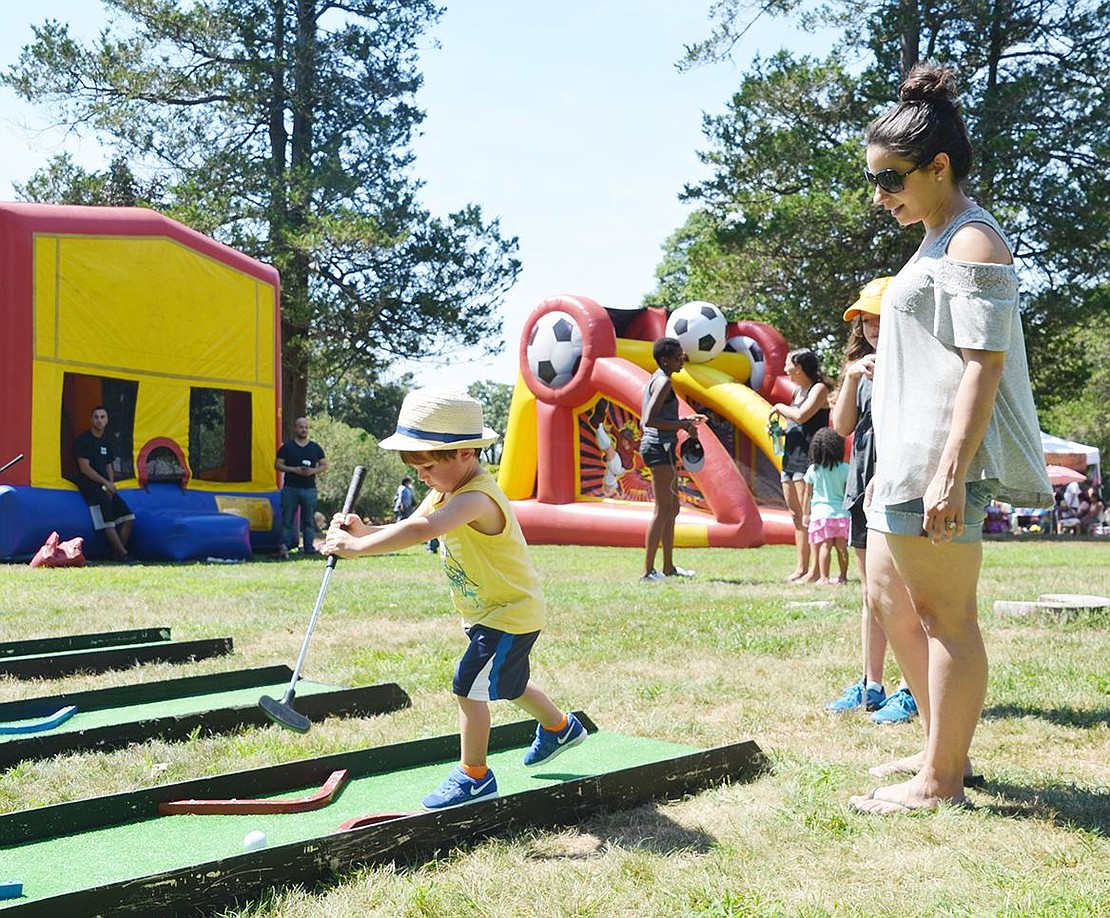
460,789
548,744
853,697
899,708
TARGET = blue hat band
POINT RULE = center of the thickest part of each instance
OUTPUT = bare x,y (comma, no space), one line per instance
419,434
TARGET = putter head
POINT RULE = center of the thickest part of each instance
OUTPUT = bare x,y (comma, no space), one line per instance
283,715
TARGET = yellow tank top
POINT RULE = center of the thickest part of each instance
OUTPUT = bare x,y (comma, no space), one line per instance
493,582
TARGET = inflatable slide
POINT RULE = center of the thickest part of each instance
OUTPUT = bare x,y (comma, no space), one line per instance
571,462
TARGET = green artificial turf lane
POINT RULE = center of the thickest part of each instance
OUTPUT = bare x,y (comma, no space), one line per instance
156,845
171,707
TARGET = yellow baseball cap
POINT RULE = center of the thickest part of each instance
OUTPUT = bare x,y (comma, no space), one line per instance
870,299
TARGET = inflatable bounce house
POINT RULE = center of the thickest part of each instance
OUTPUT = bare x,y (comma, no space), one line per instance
178,337
571,462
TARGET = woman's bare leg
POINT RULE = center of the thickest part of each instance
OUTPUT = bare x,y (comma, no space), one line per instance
942,582
794,492
661,529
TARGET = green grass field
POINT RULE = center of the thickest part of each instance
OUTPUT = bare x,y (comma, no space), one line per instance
735,654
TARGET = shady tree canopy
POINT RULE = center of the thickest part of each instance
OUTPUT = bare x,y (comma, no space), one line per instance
784,228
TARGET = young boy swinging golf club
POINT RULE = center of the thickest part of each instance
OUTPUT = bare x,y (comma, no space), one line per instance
493,584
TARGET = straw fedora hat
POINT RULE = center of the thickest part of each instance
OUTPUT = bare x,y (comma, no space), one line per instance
433,419
870,298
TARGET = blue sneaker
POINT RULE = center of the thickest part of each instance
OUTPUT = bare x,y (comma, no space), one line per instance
547,745
900,708
853,696
460,789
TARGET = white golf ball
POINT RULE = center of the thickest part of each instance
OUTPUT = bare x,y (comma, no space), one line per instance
254,840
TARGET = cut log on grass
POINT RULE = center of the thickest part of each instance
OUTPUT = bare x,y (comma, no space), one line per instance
1069,607
1056,607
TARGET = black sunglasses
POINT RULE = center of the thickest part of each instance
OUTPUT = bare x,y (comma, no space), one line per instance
890,180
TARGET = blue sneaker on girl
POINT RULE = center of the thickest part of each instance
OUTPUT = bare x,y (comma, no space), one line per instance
853,698
899,708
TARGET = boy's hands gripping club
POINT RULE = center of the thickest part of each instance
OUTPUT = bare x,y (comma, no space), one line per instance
344,529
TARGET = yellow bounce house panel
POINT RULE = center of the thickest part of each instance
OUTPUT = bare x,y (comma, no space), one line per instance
517,475
178,337
161,412
46,386
78,285
191,322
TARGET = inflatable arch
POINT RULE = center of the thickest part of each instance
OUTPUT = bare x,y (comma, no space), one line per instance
571,463
179,337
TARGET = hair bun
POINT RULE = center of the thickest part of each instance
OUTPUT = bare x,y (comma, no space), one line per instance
929,83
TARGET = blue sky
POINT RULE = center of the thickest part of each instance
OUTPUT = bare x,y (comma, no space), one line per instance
568,121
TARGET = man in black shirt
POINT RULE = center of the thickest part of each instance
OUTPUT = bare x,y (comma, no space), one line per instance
96,482
301,459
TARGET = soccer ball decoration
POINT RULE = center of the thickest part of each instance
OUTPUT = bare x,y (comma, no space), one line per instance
554,349
700,328
744,345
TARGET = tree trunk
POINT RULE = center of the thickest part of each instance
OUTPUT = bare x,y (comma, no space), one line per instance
295,264
294,377
911,35
292,362
988,118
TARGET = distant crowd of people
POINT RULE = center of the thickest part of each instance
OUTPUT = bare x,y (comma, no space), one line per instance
1080,507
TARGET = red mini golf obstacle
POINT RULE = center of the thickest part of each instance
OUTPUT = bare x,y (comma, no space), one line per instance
234,806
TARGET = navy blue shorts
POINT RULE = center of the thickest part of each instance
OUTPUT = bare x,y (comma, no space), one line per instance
495,665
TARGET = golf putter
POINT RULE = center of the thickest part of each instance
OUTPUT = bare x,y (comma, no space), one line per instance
282,712
8,465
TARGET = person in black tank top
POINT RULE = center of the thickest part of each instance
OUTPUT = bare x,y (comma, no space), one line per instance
807,413
660,425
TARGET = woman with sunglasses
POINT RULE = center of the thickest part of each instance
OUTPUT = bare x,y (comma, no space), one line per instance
955,425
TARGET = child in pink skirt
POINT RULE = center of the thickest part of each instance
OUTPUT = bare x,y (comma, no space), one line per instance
828,522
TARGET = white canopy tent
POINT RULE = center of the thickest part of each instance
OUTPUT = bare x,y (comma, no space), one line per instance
1058,451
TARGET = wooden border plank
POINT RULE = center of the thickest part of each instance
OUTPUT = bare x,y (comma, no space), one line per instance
101,660
146,692
83,641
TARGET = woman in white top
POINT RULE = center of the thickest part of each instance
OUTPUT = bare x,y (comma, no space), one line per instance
955,426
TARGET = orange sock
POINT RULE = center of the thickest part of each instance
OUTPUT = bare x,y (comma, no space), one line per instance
560,726
477,772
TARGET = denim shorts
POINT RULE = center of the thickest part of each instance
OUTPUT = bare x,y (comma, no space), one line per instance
906,518
792,476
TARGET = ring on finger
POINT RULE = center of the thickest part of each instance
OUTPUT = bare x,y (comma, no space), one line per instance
951,524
